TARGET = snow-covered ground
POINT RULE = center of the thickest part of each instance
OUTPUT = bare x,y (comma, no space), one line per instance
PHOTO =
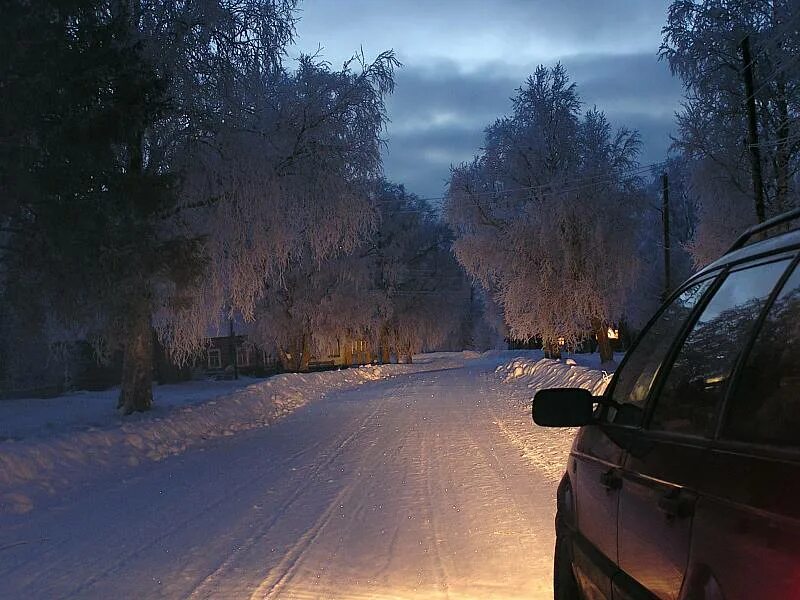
49,444
529,372
412,481
27,418
574,370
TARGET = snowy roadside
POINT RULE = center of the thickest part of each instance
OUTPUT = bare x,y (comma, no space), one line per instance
26,418
522,376
538,373
48,462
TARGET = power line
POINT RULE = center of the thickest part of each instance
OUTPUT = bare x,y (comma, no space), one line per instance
583,182
774,73
612,179
769,41
771,143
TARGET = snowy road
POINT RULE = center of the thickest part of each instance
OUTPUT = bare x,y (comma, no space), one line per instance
426,485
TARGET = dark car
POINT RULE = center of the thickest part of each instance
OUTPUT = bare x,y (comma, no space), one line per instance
684,478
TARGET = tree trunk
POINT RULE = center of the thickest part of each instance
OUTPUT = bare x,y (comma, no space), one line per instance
752,130
285,360
305,355
603,343
136,394
385,357
404,355
297,356
383,347
782,151
782,167
369,355
347,353
552,350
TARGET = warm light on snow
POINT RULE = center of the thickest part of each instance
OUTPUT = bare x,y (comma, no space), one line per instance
409,482
354,593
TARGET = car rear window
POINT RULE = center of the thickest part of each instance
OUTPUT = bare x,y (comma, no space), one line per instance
765,405
699,375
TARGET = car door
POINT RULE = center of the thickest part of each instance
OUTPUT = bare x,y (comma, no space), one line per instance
668,464
596,461
746,535
598,452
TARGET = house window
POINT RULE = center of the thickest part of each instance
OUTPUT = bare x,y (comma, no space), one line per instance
214,358
242,356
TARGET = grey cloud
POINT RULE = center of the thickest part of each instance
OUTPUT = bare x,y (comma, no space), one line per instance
438,113
465,58
421,160
424,93
636,82
470,32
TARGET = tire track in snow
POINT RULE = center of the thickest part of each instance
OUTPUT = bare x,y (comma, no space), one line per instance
383,570
167,532
439,563
549,456
282,576
335,450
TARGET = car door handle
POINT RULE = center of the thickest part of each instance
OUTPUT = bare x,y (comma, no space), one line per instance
611,480
676,504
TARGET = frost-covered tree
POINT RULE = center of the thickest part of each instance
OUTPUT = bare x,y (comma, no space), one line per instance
543,216
198,167
399,290
484,328
291,187
317,308
424,288
703,45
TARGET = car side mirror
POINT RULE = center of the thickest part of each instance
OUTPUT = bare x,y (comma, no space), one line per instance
563,407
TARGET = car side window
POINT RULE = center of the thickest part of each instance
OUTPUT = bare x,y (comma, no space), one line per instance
697,379
765,406
632,383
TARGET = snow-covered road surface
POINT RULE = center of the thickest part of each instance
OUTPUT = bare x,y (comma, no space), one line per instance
426,485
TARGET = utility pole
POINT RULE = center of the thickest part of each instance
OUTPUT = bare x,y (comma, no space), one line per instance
232,348
665,220
752,129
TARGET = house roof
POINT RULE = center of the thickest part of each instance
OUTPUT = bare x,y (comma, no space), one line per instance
222,327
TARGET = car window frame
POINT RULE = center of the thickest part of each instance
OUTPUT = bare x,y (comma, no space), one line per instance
714,275
741,446
658,382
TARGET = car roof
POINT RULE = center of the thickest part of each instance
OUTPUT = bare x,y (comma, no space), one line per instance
773,245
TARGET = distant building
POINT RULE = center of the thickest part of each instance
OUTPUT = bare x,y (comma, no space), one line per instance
234,354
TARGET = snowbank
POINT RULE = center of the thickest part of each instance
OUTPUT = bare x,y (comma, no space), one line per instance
47,463
524,375
541,373
25,418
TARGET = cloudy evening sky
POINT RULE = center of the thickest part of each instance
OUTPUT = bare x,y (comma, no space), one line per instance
462,61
